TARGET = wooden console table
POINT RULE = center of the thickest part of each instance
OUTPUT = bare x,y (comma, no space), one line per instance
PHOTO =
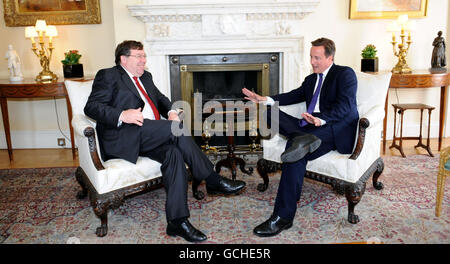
28,88
421,79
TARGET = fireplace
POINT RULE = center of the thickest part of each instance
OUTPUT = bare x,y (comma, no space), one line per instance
227,32
221,77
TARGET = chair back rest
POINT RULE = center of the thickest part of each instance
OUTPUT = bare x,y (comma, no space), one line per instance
372,90
79,92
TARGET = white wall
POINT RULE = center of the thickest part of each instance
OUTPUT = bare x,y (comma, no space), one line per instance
97,43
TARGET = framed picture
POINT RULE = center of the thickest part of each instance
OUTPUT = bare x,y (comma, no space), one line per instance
55,12
369,9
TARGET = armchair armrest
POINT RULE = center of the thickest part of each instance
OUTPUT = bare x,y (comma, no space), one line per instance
80,123
89,132
375,115
84,128
368,120
363,124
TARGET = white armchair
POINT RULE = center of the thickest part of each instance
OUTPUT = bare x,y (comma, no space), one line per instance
107,183
349,173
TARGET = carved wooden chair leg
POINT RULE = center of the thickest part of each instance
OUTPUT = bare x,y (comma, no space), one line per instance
79,177
380,167
262,170
264,167
353,193
102,230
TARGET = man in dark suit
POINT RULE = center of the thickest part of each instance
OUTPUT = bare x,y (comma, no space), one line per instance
329,124
127,107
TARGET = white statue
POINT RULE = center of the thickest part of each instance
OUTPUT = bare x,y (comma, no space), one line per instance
13,65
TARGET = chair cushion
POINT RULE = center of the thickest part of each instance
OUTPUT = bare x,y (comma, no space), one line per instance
119,173
447,165
333,164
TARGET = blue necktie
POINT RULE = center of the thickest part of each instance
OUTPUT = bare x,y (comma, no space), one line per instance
313,102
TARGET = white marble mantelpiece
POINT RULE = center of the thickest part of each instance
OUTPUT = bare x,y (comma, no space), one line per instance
175,27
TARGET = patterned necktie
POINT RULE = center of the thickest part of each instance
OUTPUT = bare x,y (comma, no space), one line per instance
313,102
154,109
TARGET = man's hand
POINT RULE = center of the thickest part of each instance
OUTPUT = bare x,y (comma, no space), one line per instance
254,97
174,116
132,116
311,119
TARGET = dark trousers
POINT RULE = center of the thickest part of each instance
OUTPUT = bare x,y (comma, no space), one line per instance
292,174
158,143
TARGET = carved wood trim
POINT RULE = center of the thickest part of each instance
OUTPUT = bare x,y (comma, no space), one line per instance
114,198
89,132
363,125
102,202
352,191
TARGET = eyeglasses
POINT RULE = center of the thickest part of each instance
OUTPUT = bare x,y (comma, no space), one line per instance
138,56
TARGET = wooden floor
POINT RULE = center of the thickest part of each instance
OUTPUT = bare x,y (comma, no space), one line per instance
42,158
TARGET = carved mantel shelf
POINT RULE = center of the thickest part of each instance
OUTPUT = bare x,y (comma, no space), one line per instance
166,8
212,18
177,27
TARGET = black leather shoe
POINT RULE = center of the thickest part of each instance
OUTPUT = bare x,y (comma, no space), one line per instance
226,186
301,145
186,231
272,226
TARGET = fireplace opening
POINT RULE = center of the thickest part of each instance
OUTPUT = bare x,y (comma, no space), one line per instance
224,84
221,77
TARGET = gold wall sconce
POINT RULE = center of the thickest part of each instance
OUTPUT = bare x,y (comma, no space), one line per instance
43,53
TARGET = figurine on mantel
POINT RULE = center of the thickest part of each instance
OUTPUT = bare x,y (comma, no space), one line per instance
13,65
438,56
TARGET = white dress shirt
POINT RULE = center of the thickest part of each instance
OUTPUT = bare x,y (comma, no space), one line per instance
270,101
147,112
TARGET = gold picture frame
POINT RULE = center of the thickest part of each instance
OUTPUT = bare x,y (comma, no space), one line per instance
366,9
55,12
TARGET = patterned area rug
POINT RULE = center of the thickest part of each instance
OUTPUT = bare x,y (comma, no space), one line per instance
39,206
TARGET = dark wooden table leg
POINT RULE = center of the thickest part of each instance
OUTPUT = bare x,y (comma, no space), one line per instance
385,122
4,106
428,138
401,136
72,139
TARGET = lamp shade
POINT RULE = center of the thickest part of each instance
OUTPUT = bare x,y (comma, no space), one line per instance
51,31
41,25
403,20
30,32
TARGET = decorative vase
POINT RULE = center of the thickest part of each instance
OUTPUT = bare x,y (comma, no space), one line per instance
73,71
369,65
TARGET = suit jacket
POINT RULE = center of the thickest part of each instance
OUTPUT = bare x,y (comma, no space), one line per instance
113,91
337,103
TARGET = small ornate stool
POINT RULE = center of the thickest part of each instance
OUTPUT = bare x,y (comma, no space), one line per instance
401,108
